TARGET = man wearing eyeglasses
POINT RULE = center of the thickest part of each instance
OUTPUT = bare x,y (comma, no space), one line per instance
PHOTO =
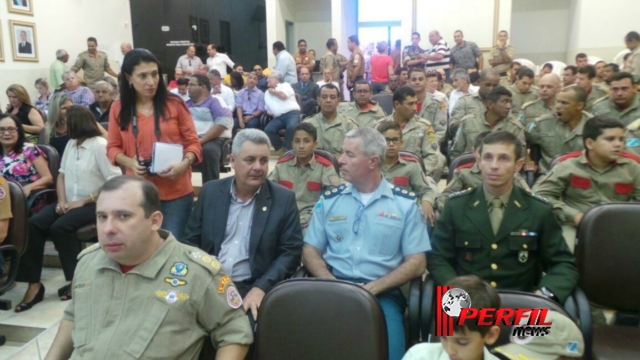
369,232
189,63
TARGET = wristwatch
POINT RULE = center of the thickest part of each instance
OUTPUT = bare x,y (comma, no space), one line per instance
548,294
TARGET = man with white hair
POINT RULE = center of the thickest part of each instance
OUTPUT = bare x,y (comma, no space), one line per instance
80,95
57,69
462,86
101,107
369,232
221,91
125,47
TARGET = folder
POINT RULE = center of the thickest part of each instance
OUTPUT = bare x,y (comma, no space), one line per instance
164,155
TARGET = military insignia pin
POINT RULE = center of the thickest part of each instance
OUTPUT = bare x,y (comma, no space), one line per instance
175,282
179,269
523,256
338,238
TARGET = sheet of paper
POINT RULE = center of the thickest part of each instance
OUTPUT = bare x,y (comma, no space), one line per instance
164,155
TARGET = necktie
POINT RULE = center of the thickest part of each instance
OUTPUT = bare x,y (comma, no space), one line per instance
496,213
303,86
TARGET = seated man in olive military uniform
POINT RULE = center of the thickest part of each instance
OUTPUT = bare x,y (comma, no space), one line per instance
305,173
139,293
406,172
600,173
502,233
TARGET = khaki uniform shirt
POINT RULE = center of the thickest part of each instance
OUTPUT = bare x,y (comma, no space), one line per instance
555,138
407,174
447,89
94,67
597,92
468,104
606,106
634,64
305,60
307,182
518,98
633,137
434,109
331,136
330,61
468,176
533,110
495,55
5,201
472,125
356,64
160,309
573,186
364,118
419,137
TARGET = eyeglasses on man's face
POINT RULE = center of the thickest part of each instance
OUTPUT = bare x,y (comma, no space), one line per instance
393,140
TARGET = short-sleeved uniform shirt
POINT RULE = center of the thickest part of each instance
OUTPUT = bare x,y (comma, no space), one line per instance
472,125
94,66
331,135
330,61
468,104
634,64
434,109
534,109
496,55
407,174
597,93
307,181
573,186
363,117
367,241
606,106
162,308
518,98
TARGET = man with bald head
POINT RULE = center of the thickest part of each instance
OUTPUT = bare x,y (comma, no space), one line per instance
549,85
189,63
125,47
439,56
561,132
475,103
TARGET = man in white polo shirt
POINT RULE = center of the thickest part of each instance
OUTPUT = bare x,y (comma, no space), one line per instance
218,61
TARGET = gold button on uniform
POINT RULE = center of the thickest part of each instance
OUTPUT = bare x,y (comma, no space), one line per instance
493,284
494,246
494,266
524,246
466,243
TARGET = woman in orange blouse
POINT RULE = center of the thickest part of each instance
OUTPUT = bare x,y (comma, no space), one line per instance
143,92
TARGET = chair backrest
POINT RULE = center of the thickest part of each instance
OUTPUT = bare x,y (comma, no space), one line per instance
609,232
17,232
292,322
521,300
463,159
322,153
414,156
53,159
385,101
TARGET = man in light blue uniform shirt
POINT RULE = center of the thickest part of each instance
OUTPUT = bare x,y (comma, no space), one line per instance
369,232
285,63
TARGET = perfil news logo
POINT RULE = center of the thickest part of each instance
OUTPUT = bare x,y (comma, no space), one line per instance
454,302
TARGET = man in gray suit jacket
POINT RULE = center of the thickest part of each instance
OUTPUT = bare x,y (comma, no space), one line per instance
250,223
308,91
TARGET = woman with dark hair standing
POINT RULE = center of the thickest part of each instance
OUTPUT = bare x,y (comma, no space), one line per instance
83,170
147,113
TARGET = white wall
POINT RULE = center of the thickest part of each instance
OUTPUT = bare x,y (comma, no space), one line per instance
64,24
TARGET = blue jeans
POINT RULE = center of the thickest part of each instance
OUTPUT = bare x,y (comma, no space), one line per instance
393,305
287,120
176,213
252,124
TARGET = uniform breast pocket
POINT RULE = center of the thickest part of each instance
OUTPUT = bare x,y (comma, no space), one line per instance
338,228
549,144
523,243
147,331
388,233
581,187
467,245
81,334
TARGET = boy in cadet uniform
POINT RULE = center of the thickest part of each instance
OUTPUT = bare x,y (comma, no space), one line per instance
406,172
505,235
469,341
563,343
305,173
468,175
602,172
5,215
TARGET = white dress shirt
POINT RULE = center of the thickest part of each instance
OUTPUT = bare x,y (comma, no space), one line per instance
86,167
227,95
455,95
220,63
278,107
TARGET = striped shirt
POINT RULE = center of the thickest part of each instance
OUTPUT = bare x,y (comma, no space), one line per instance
440,48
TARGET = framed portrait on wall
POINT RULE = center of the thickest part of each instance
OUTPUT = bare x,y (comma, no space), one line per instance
204,31
24,7
1,44
24,41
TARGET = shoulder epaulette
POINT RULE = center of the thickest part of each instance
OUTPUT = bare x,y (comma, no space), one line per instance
537,197
408,158
601,100
466,166
570,155
334,191
631,156
209,262
91,248
286,158
404,193
527,104
324,161
634,125
468,116
545,117
460,193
